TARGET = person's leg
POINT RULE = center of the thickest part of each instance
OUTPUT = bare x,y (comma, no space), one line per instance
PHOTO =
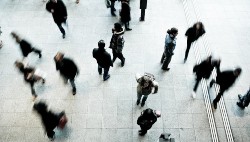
72,82
198,79
187,50
61,29
121,57
144,100
211,83
139,95
166,62
51,134
106,74
142,15
112,8
217,99
114,55
163,57
127,26
37,51
99,69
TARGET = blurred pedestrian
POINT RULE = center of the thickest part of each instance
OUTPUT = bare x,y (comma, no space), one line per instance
112,7
31,75
25,46
147,119
125,14
146,85
170,43
59,13
77,1
225,79
103,59
193,33
203,70
50,120
117,43
244,100
67,68
143,7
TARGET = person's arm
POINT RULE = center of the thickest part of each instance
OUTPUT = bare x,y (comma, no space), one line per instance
32,88
120,44
188,32
156,86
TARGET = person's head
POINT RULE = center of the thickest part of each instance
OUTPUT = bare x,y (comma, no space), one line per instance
173,32
101,44
117,27
59,56
198,25
237,72
17,38
40,107
54,1
157,113
19,65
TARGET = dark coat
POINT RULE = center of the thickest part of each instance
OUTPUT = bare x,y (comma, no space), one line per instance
103,58
225,79
125,12
204,69
143,4
192,35
60,11
146,121
113,0
26,71
50,121
67,68
117,41
26,47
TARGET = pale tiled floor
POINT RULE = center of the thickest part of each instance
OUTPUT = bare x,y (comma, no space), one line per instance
106,111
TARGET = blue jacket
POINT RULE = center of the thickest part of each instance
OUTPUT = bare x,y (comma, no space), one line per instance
170,44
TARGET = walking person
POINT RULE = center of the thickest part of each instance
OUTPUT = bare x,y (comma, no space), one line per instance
117,43
50,120
193,34
203,70
244,100
25,46
143,7
146,85
147,119
170,43
112,7
125,14
103,59
67,68
59,13
225,79
31,75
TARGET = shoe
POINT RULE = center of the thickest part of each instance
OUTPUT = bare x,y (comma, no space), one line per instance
74,91
165,69
137,102
215,105
113,14
141,20
122,64
40,55
53,138
106,78
142,104
240,105
142,134
240,97
43,81
185,61
63,36
128,29
194,94
211,83
139,131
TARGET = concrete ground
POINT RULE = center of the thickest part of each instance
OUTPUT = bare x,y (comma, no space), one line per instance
106,111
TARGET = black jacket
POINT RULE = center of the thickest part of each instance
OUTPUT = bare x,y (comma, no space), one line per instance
192,35
67,68
225,79
117,41
26,47
143,4
204,69
146,121
125,12
102,57
60,11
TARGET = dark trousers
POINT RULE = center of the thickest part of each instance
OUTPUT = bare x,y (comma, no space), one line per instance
221,92
37,51
59,24
142,14
198,79
119,55
50,134
112,7
71,80
106,71
143,130
165,59
189,42
126,25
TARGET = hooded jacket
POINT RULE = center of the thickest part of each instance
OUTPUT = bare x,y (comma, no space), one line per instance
146,120
60,11
192,35
117,41
102,57
67,68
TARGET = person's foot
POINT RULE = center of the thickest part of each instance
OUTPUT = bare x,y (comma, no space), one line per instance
142,134
77,1
63,36
142,104
74,91
215,105
194,94
240,105
141,20
128,29
53,138
122,64
34,97
40,55
167,69
106,78
113,14
185,61
137,102
240,97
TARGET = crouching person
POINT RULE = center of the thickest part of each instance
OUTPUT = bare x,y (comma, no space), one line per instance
50,120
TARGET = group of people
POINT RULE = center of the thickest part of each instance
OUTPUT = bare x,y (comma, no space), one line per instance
146,82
